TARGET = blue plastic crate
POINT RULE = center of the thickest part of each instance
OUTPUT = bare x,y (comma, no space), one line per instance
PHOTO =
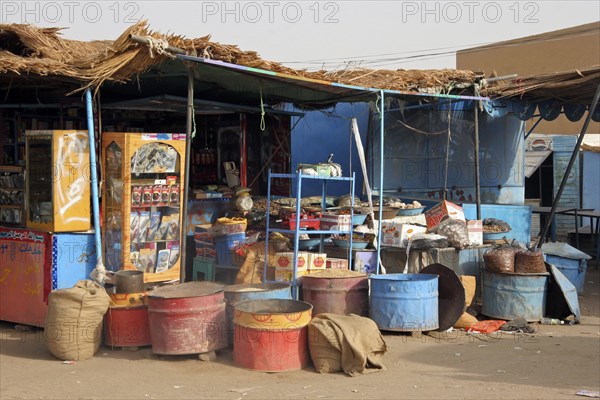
226,244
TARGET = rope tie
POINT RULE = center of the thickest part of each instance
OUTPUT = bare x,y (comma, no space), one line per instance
159,46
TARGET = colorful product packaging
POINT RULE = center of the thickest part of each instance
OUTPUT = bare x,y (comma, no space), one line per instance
317,261
285,260
136,196
441,211
146,196
174,195
144,226
162,261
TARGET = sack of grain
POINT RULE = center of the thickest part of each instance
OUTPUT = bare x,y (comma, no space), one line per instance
500,259
73,328
529,262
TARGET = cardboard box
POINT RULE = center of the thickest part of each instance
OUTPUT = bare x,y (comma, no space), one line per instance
443,210
337,263
286,275
397,235
334,222
285,260
475,231
317,261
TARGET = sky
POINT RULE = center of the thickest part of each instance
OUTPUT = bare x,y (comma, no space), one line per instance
315,34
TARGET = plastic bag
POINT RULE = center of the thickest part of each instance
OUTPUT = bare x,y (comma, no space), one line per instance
500,259
425,241
456,232
529,262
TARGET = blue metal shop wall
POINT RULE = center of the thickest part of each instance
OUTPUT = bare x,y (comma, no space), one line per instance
416,145
320,133
563,149
591,181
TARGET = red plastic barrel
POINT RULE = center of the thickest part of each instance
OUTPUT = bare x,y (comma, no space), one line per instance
127,327
271,335
337,292
187,318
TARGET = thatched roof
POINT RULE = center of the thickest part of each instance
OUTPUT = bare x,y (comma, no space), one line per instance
575,86
29,50
26,50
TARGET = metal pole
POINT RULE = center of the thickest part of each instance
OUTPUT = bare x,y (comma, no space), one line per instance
100,270
477,175
381,153
569,166
188,150
533,127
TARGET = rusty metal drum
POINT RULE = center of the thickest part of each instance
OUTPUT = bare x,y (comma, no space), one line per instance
337,292
271,335
251,291
187,319
127,327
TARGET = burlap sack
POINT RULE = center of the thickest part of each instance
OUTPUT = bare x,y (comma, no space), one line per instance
73,329
348,343
467,320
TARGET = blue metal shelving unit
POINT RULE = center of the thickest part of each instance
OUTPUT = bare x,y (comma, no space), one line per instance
296,232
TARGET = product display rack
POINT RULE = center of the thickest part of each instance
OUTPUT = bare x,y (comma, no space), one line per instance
296,232
57,182
142,202
12,195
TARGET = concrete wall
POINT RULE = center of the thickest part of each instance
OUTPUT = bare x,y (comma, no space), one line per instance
561,50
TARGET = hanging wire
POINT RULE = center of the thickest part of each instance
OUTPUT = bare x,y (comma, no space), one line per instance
273,154
262,109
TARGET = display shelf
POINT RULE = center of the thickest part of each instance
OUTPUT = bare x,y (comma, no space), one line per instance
304,176
299,177
57,180
12,195
142,166
311,232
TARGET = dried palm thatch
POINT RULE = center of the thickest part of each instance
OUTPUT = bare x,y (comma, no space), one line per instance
25,49
574,86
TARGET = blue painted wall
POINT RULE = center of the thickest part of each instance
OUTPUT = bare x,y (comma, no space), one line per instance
563,149
73,258
416,148
518,217
591,181
320,133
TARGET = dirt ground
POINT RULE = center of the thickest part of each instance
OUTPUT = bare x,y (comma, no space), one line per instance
553,363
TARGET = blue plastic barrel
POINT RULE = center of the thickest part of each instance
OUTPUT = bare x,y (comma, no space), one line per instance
404,302
508,296
252,291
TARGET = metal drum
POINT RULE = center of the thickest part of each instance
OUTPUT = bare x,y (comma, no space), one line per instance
252,291
508,296
271,335
129,281
127,327
404,302
337,295
187,319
